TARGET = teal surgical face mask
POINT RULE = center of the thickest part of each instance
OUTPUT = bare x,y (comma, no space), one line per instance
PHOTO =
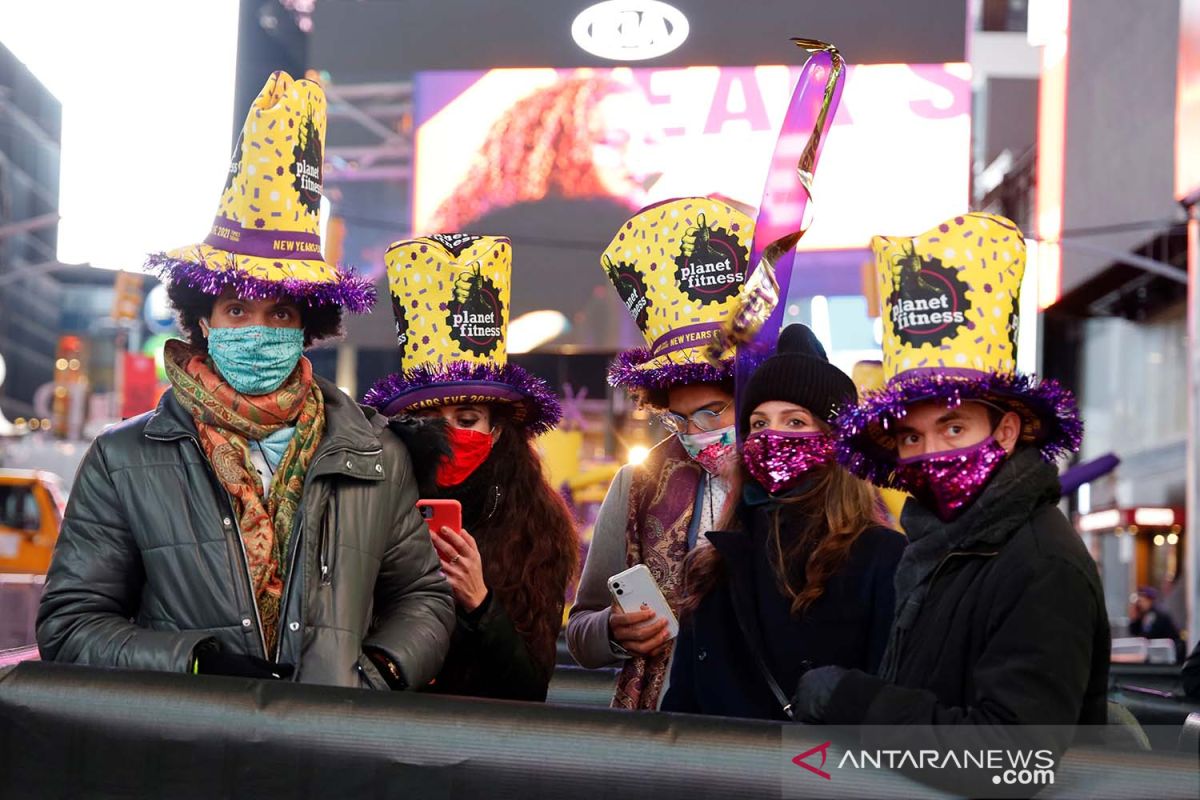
255,359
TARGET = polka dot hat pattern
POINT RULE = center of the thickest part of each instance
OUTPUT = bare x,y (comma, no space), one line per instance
949,300
451,297
267,226
678,267
949,297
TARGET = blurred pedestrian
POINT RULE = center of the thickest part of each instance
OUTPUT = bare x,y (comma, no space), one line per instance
1148,619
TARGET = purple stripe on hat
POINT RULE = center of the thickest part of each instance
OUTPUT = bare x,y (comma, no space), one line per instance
454,394
230,235
684,338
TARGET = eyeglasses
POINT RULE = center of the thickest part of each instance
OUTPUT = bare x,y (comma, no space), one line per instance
704,419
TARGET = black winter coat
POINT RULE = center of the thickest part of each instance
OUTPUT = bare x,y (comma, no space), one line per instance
150,563
713,671
489,658
1013,629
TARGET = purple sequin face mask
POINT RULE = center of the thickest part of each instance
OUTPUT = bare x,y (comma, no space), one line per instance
946,483
778,459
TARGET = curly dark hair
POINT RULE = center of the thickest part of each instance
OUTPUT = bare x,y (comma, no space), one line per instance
656,401
191,305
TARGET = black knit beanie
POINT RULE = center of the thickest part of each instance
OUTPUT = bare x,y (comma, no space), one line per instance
799,373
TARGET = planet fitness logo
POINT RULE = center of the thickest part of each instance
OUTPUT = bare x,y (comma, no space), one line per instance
711,265
235,166
308,159
455,243
475,313
928,300
401,322
631,289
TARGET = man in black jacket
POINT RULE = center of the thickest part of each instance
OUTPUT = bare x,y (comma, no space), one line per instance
258,523
1000,614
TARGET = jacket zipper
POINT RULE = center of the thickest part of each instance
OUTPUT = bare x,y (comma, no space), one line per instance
937,570
902,633
326,558
246,557
297,543
324,563
237,529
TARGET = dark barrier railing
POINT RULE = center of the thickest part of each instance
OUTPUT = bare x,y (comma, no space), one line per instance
68,732
576,686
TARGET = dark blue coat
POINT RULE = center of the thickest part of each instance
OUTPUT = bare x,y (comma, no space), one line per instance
713,672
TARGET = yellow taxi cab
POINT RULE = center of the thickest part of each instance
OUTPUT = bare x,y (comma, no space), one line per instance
31,509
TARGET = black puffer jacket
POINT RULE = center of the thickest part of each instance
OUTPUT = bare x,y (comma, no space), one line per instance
1012,627
149,562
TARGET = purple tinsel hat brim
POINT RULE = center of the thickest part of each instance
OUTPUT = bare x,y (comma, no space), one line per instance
541,407
351,291
1049,412
631,370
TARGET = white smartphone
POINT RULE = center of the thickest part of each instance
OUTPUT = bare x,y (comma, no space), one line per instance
636,587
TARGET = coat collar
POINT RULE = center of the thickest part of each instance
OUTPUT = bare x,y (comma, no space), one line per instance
348,434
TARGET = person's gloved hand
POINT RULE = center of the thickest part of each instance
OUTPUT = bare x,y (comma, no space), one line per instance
814,692
387,668
210,659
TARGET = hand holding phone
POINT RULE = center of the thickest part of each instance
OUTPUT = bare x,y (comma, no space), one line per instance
641,621
440,514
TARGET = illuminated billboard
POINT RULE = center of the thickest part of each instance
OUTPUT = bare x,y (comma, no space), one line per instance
897,157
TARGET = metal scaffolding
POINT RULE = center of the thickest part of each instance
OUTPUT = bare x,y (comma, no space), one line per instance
379,146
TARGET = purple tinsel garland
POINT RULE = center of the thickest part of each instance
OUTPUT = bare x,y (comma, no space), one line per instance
543,407
857,426
351,291
627,370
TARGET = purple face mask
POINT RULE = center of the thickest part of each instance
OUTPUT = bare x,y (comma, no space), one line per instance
948,482
778,459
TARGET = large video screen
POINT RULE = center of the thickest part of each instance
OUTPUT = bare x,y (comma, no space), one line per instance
557,159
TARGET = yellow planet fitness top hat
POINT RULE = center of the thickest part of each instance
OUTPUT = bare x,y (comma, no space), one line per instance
678,267
450,297
265,240
949,300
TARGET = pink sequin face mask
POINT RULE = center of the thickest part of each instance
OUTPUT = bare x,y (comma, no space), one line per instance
779,459
946,483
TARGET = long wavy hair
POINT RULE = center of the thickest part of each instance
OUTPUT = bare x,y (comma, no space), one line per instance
827,518
541,146
526,536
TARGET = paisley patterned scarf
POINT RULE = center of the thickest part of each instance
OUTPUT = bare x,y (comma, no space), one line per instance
662,496
227,422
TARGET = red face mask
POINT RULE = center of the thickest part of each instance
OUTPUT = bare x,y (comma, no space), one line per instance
470,449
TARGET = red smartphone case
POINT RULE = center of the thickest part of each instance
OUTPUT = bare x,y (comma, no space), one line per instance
440,514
